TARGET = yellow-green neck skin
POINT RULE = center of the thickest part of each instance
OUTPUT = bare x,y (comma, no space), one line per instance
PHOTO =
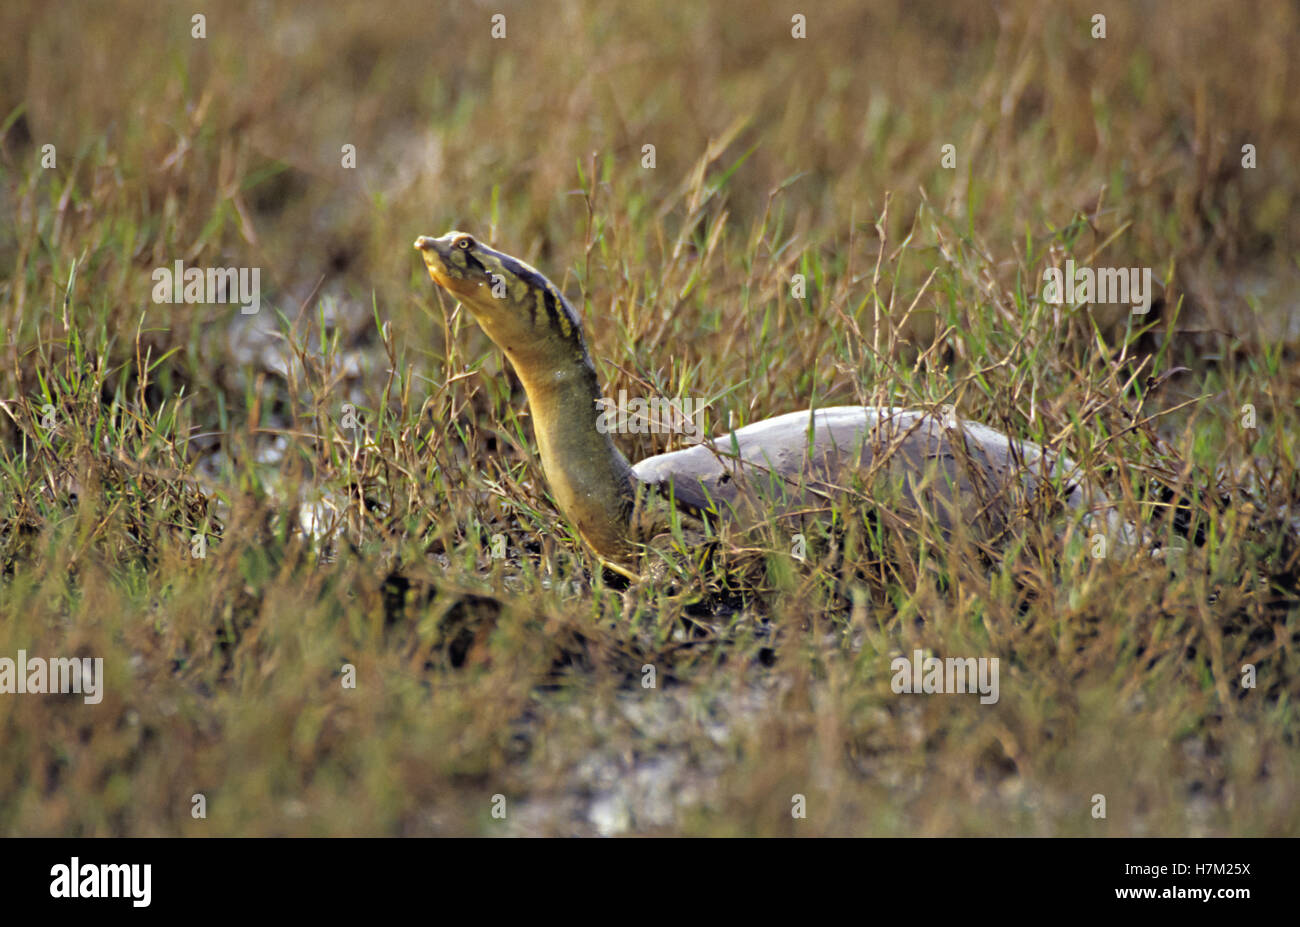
590,478
530,320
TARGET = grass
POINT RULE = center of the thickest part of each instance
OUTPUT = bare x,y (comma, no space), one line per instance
242,515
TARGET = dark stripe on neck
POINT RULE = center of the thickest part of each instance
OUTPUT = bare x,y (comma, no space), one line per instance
551,296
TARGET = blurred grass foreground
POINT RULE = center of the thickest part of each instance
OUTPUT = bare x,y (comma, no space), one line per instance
276,528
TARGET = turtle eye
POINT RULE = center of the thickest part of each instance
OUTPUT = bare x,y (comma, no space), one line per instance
465,243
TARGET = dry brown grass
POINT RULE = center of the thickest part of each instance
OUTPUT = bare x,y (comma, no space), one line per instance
522,678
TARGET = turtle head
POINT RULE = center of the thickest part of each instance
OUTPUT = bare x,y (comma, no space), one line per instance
523,312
